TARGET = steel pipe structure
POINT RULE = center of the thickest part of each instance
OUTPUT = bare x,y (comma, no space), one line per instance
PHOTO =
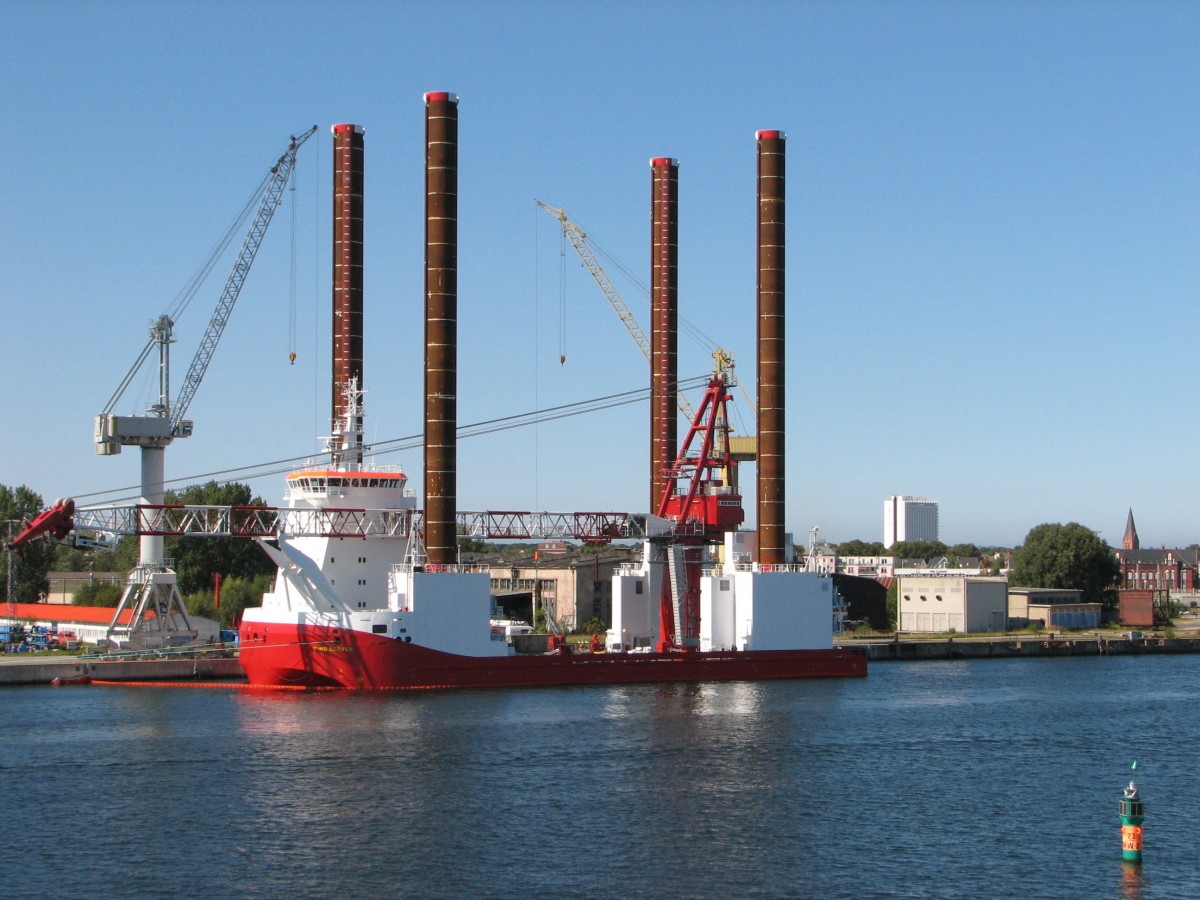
347,266
664,322
270,522
441,326
771,308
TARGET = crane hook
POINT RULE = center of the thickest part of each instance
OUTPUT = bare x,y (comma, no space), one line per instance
292,357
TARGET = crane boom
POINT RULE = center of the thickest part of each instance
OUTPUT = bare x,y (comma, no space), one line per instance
578,238
271,198
153,584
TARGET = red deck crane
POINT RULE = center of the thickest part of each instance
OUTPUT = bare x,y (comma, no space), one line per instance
703,502
58,521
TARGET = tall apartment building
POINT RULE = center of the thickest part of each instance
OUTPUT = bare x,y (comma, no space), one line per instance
909,519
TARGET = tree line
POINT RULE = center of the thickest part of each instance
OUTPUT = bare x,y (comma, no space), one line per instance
1070,556
912,550
244,569
1052,556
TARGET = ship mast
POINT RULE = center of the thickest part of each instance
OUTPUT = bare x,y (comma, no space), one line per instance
345,446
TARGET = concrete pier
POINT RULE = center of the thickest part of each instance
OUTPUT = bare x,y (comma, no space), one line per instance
25,671
1009,646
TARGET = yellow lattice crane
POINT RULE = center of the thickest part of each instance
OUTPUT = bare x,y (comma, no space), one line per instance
578,238
743,448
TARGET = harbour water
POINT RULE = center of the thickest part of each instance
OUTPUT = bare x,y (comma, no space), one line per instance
935,779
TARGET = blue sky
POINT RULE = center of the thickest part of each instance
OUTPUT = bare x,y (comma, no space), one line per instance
993,225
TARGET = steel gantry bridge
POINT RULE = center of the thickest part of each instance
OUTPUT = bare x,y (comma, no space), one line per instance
269,522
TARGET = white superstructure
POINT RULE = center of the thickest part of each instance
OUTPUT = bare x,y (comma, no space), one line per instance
744,605
376,583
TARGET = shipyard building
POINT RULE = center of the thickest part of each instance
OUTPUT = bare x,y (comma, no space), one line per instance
941,603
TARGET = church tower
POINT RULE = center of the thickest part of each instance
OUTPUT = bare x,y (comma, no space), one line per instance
1131,539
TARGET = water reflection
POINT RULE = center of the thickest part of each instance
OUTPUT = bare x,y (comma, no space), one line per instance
1131,881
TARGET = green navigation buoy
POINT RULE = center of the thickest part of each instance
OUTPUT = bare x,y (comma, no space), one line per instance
1132,813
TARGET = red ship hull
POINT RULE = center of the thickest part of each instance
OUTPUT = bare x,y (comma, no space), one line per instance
315,658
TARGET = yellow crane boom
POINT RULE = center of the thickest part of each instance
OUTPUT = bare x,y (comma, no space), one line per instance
578,238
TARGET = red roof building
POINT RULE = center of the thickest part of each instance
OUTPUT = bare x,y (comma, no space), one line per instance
63,614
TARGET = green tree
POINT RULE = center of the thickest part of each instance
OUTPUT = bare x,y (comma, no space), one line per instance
125,554
240,593
469,545
18,506
1068,556
236,595
860,548
918,550
893,604
961,550
98,593
197,560
69,558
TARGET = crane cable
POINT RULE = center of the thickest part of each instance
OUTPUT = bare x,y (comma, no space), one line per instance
562,300
180,304
292,273
409,442
188,292
697,336
691,330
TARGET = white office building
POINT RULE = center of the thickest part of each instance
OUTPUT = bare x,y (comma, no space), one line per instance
909,519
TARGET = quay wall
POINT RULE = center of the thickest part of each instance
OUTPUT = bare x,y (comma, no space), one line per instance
902,649
24,672
44,671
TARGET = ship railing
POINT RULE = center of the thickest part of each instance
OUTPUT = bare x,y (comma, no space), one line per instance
781,567
331,491
435,568
686,527
166,562
719,570
316,490
399,574
768,567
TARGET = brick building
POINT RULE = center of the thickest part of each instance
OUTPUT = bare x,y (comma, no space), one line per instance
1174,571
